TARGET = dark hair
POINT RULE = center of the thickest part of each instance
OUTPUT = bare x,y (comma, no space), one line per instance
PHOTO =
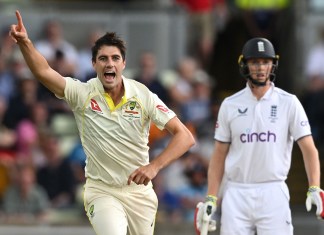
109,39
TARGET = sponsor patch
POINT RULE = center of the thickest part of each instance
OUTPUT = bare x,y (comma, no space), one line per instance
95,106
131,111
162,108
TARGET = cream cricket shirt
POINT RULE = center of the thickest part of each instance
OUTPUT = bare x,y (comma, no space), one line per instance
261,134
115,141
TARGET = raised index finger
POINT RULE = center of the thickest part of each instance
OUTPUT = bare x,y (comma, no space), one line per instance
19,19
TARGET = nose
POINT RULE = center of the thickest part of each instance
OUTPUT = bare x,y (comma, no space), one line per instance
109,63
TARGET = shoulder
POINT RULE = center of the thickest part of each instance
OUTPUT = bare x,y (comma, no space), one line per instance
238,96
134,82
136,88
75,84
282,94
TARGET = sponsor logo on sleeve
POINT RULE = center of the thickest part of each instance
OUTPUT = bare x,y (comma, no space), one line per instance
162,108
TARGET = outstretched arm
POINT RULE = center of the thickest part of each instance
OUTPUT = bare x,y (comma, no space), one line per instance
35,61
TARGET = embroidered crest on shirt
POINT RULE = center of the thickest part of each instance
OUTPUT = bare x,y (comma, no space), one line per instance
95,106
131,110
273,113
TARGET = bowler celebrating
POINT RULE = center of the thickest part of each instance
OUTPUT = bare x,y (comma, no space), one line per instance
113,115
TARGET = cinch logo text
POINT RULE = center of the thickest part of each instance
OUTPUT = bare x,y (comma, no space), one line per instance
258,137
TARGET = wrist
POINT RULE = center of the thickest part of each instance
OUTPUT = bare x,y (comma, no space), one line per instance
212,199
24,41
313,187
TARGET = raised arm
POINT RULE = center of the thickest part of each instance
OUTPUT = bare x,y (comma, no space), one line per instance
35,61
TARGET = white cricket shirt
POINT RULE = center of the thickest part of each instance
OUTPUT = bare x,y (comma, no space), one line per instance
260,133
115,141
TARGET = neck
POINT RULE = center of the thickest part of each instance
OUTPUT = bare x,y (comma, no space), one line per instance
117,93
259,91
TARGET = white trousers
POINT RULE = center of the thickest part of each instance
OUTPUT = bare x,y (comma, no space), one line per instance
247,209
116,211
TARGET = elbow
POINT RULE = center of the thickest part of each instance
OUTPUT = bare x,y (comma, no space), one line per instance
191,140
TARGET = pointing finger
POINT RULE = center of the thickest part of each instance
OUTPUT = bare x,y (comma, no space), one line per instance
20,21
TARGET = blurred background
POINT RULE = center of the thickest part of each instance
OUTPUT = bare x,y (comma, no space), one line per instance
185,51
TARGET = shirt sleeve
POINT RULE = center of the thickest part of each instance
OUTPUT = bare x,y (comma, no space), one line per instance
160,114
75,93
222,128
298,123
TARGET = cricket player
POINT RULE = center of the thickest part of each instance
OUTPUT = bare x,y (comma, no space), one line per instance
113,115
254,136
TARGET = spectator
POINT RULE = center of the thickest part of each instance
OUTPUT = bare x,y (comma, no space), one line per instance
148,75
7,84
314,91
205,130
262,18
57,175
61,54
7,149
25,202
28,130
197,109
181,90
77,159
202,26
7,135
85,69
7,45
193,192
20,104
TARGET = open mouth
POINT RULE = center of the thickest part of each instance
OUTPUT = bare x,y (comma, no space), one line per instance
110,75
260,75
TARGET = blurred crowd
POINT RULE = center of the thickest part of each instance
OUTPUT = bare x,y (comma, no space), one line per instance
41,158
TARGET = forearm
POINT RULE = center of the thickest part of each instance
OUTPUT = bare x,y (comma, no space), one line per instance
311,160
35,61
216,168
215,176
312,166
40,68
179,144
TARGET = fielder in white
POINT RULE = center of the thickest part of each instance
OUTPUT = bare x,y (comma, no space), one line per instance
254,136
113,115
